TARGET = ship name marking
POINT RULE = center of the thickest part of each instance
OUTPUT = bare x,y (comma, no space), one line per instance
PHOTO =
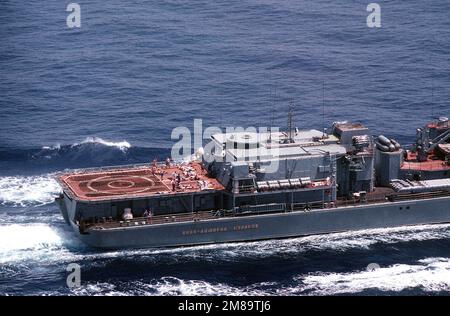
218,229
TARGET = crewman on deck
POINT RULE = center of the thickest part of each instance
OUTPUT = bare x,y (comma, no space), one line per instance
168,162
149,215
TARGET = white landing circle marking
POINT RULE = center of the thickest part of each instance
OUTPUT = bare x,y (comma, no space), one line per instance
121,184
115,184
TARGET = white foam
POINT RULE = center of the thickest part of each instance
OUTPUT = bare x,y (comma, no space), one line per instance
122,145
99,288
365,238
171,286
53,147
176,286
28,190
431,275
18,237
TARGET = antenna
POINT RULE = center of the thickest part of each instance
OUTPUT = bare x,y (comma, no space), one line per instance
290,116
273,97
432,97
432,84
323,109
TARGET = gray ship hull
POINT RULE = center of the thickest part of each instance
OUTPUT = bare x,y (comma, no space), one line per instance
272,226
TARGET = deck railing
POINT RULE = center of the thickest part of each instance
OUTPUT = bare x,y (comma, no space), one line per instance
105,223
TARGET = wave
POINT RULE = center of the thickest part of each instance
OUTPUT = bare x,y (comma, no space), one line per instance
88,147
122,145
53,147
28,190
91,152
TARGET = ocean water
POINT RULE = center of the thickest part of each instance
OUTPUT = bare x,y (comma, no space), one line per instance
112,91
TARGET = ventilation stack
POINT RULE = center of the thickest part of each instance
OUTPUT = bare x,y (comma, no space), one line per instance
388,159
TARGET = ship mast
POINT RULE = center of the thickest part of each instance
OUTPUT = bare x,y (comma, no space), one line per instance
323,109
290,116
273,100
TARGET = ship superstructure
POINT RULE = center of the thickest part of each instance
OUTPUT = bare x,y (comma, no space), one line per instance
265,185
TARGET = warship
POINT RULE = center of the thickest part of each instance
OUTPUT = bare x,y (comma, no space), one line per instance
343,180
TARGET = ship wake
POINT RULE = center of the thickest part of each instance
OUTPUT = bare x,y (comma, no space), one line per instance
28,190
18,240
23,245
336,242
429,275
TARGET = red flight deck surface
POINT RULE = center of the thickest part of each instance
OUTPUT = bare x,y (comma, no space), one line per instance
139,182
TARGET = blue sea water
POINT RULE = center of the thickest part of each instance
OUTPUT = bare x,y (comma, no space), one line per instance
112,91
